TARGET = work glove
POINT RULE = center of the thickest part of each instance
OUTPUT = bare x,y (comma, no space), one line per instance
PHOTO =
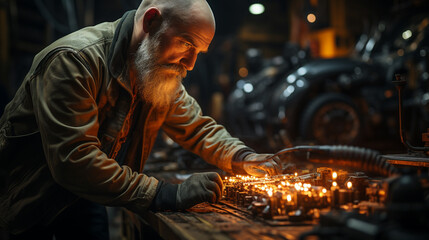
198,188
260,165
246,161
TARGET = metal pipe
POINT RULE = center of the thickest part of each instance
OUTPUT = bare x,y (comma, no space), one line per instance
400,82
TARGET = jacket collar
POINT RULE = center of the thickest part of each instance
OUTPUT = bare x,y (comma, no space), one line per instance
117,58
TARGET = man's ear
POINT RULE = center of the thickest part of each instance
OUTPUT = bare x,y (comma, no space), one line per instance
151,19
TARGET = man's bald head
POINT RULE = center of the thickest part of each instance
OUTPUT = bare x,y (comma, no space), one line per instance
187,11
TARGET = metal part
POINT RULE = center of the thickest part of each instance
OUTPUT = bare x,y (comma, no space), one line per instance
400,82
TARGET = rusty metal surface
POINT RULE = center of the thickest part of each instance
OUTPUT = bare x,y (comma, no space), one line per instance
218,222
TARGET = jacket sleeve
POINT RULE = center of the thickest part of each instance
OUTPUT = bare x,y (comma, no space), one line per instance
200,134
64,100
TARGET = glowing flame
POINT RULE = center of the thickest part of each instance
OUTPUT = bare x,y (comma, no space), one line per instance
289,198
334,175
324,190
297,187
349,185
334,184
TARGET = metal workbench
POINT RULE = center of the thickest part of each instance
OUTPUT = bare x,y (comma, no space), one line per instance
220,222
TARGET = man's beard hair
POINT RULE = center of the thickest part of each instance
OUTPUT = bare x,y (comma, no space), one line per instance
156,83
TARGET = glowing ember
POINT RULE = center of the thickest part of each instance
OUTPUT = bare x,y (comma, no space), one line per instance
297,187
349,185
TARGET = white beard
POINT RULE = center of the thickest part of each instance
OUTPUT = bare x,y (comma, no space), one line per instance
156,83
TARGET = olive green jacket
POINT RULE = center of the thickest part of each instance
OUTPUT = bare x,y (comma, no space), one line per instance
61,133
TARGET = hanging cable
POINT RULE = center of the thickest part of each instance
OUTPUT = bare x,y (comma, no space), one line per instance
365,159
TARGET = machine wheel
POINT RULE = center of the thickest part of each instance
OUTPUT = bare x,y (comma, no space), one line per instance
331,119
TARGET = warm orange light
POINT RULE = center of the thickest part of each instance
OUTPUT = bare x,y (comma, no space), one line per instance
334,184
388,93
325,39
311,18
297,187
289,198
243,72
334,175
349,185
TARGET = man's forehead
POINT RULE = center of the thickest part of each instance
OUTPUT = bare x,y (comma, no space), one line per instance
200,31
199,42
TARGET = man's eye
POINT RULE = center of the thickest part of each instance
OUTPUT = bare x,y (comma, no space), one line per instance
188,45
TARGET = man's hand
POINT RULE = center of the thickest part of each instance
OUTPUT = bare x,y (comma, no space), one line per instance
258,165
198,188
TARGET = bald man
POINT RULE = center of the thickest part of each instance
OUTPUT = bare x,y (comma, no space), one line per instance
78,132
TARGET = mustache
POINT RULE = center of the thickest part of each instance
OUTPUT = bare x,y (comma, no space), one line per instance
180,69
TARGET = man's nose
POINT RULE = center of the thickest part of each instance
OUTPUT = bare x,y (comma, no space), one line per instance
189,61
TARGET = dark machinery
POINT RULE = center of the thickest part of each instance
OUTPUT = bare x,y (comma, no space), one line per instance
388,199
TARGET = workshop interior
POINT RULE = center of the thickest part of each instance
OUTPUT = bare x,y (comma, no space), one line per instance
337,89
